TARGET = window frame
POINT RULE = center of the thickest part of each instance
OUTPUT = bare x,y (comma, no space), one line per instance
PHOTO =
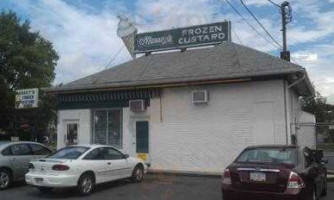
44,147
98,149
122,155
107,128
10,151
26,144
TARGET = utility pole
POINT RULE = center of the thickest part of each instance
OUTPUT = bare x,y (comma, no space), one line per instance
286,18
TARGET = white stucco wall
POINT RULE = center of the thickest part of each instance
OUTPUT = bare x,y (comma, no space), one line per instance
201,138
206,138
82,117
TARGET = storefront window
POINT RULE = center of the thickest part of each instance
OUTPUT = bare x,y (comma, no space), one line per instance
107,127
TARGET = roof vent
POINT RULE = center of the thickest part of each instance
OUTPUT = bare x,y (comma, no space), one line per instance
200,96
137,105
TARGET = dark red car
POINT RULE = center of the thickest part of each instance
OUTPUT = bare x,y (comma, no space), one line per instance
276,173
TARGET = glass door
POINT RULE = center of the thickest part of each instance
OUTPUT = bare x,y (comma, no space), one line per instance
72,133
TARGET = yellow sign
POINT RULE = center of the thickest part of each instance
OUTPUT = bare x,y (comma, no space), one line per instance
142,156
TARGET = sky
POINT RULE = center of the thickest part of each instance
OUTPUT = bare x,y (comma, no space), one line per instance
83,32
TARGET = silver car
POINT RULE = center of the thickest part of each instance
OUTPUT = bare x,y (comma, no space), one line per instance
15,158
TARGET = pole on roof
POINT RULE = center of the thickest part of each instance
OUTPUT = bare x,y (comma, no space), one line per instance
286,18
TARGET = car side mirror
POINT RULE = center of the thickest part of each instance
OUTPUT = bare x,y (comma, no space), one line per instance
324,161
125,156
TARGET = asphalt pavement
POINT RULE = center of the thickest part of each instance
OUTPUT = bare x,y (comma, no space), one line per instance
154,187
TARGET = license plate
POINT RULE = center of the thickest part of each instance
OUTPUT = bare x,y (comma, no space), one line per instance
257,176
38,180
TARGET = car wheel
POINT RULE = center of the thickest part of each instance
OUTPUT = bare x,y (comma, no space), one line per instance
138,174
5,179
45,189
324,192
86,184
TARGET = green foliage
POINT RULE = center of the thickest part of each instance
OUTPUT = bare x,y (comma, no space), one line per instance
318,106
26,61
324,113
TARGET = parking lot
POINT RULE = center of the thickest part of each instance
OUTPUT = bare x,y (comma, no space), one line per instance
154,187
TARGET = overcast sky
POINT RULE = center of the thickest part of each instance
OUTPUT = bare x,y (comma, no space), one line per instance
84,31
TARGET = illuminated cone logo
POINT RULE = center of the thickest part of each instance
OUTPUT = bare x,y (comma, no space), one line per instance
127,31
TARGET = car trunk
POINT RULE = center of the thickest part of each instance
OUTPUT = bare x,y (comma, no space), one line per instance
44,166
260,177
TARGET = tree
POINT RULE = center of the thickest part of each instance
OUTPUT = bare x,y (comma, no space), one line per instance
324,114
27,60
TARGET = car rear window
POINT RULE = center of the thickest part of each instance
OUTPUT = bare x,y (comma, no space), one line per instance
269,155
69,153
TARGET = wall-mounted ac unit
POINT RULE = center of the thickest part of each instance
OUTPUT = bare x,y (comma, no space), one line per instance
200,96
137,105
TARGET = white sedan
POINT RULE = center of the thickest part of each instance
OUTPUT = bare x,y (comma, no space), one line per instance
83,166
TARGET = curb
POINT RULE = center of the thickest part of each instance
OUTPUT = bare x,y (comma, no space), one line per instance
177,173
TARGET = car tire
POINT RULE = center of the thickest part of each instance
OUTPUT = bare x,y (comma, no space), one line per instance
324,192
138,174
86,184
5,179
45,189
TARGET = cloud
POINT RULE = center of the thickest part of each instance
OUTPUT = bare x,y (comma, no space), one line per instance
86,37
85,41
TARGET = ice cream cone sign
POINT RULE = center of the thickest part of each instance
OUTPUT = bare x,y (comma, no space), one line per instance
127,31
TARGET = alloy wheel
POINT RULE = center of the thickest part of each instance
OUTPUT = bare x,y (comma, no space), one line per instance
87,185
4,180
139,174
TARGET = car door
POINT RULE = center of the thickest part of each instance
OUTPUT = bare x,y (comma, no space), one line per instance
20,157
39,151
95,161
117,163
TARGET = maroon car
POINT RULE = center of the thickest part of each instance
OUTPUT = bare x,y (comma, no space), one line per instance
275,172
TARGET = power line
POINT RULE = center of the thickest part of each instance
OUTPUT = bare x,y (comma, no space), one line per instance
114,57
275,4
251,13
243,18
236,35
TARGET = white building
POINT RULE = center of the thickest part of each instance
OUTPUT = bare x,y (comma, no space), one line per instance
252,98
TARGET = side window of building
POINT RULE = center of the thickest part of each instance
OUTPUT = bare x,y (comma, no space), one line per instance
39,150
20,150
6,152
111,154
94,155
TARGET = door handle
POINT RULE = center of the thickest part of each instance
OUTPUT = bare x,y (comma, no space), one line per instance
109,163
12,159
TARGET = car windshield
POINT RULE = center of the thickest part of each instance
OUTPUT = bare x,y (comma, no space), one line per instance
69,153
269,155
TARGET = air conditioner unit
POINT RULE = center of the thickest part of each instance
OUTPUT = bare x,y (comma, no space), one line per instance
137,105
200,96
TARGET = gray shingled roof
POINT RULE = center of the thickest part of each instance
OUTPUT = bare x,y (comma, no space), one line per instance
224,61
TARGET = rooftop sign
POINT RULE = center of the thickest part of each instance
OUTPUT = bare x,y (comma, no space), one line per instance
26,98
193,36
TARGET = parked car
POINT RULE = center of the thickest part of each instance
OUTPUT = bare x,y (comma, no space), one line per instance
83,166
15,158
275,172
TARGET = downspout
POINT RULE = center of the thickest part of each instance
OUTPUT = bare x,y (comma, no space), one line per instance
297,81
286,114
286,89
